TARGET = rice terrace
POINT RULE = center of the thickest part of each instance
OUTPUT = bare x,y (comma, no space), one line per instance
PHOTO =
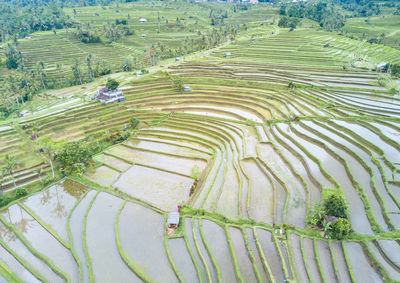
200,141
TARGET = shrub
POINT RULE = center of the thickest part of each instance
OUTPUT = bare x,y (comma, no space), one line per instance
20,192
335,205
4,200
195,172
340,228
317,217
112,84
74,156
133,122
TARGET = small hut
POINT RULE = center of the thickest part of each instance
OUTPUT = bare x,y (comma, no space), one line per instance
177,59
227,55
186,88
24,113
173,220
142,20
382,67
96,14
143,35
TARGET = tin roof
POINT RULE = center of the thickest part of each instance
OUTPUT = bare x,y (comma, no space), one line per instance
173,218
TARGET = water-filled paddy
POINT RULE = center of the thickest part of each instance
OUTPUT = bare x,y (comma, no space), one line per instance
162,189
103,175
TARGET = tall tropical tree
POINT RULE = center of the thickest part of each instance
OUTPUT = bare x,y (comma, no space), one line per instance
89,62
48,148
11,163
3,172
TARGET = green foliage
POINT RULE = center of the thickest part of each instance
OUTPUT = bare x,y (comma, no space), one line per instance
339,228
13,56
20,192
331,216
112,84
75,156
133,122
86,34
195,172
4,200
287,22
326,14
395,70
335,205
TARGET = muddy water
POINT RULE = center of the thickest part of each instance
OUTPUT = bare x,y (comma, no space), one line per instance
214,179
177,143
204,251
311,262
41,240
343,272
360,174
389,203
315,195
359,220
227,203
315,171
103,175
143,241
107,263
182,260
364,272
392,272
258,262
167,148
387,131
391,249
216,239
171,163
297,206
76,225
261,194
17,267
326,261
19,248
192,245
162,189
250,142
298,258
54,204
235,110
285,256
113,162
391,153
242,255
271,254
261,134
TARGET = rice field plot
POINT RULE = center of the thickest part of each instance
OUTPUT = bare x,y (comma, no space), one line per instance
269,131
133,236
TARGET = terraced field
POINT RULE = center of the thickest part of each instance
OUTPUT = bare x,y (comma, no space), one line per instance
270,129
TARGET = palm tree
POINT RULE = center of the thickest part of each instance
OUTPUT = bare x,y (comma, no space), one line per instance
39,172
11,163
40,72
89,61
35,130
48,147
3,172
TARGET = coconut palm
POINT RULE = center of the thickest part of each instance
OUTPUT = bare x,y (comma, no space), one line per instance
48,148
3,172
11,163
